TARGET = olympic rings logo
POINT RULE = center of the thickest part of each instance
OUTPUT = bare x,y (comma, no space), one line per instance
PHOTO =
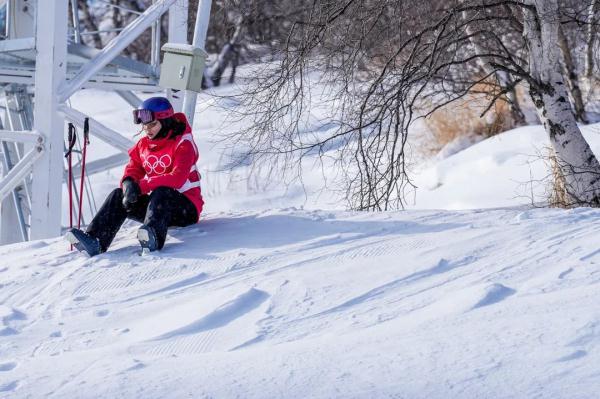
157,165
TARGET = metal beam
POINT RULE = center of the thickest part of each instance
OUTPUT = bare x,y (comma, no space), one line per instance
101,165
22,18
128,64
105,81
155,47
97,129
51,43
16,200
113,48
9,210
19,115
131,98
20,137
27,43
9,19
178,27
201,28
20,171
178,22
75,19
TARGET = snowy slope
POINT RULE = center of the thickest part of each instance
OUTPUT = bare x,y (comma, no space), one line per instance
420,304
279,293
505,170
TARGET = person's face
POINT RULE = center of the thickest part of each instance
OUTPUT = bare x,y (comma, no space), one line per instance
152,128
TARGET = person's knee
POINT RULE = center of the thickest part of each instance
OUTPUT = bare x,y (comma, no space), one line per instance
161,192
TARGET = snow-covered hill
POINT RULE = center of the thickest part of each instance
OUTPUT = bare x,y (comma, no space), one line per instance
312,304
277,293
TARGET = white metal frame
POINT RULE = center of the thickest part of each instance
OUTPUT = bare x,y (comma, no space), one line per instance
51,45
19,139
19,136
53,84
16,175
178,27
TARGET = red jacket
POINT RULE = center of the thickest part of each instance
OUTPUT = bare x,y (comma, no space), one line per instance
167,162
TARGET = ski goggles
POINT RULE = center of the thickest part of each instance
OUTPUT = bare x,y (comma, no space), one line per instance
142,116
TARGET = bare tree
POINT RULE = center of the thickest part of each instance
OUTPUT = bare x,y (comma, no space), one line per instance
591,38
572,77
90,23
389,63
504,80
239,30
578,164
242,31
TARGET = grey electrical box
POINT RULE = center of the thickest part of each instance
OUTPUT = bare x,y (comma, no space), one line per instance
182,67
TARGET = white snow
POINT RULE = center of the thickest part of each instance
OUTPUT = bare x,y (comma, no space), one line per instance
278,292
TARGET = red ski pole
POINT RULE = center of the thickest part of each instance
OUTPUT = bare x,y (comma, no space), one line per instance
86,141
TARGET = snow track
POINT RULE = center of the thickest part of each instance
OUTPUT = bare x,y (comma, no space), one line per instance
498,303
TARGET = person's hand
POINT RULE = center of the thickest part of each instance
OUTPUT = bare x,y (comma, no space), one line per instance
131,192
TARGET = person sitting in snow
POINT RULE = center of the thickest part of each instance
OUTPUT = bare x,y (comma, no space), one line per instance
159,188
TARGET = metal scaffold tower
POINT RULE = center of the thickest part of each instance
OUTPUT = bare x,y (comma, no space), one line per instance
43,62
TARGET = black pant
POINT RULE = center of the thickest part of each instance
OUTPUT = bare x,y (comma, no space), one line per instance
164,207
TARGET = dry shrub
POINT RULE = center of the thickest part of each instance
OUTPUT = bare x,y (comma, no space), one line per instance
463,118
557,187
556,190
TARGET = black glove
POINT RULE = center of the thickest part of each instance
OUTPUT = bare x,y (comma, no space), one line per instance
131,192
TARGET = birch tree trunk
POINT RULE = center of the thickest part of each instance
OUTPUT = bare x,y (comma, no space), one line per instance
572,76
591,38
577,162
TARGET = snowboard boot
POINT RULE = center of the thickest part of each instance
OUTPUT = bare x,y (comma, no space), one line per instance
147,238
83,242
